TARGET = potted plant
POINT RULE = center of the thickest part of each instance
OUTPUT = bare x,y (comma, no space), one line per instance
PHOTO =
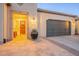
34,34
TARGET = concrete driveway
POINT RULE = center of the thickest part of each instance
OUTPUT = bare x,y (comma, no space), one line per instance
70,43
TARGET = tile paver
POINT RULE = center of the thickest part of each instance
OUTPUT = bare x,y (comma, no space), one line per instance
26,47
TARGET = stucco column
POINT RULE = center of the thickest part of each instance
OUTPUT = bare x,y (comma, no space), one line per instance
73,27
33,24
7,23
77,25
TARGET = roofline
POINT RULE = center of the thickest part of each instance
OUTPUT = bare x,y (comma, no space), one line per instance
54,12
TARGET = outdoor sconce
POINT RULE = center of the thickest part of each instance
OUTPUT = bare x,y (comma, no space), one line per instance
73,22
33,18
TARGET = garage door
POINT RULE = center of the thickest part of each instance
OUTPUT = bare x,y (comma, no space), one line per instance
58,28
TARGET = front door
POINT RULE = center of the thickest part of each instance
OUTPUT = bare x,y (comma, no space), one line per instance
19,25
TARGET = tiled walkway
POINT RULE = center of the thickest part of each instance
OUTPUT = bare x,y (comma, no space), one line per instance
25,47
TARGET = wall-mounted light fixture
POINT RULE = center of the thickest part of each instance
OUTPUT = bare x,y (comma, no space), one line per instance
33,18
73,21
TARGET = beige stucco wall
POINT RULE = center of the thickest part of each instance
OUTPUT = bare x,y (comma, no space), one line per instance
42,17
30,8
1,21
77,24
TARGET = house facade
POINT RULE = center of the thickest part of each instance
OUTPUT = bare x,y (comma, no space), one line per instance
19,19
52,23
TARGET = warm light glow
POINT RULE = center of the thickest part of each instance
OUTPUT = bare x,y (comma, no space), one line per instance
73,23
78,25
33,22
19,26
67,24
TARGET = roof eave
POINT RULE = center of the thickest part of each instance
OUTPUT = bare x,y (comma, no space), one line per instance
54,12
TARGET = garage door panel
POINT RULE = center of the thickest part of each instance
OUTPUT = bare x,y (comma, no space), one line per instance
56,28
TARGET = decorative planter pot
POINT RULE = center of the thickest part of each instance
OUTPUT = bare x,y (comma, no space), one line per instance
4,40
34,34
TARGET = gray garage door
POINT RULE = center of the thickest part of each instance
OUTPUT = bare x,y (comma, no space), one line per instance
58,27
